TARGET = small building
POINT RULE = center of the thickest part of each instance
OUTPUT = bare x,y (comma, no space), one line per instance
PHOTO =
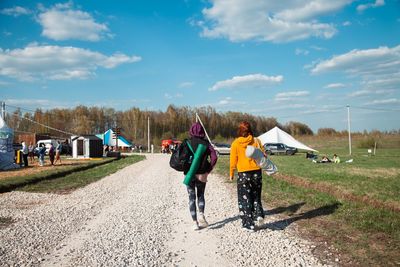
110,139
86,146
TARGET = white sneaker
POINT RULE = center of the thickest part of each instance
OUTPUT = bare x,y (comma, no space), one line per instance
202,220
259,221
195,226
249,229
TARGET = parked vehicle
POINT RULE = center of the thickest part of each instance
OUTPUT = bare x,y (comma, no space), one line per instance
222,149
169,145
47,143
279,148
66,149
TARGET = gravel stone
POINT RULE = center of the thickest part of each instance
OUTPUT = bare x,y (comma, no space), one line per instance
140,216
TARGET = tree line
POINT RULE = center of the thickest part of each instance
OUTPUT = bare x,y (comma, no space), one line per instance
173,123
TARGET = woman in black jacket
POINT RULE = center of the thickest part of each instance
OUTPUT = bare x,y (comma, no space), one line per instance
198,183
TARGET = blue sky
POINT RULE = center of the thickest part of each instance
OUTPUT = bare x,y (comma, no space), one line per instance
296,60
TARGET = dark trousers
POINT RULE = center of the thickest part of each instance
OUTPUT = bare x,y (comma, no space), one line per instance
25,158
249,186
195,186
51,157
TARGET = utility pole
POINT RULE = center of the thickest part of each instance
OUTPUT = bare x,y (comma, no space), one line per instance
116,136
348,127
148,134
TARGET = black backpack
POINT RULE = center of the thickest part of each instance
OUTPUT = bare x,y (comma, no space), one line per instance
182,157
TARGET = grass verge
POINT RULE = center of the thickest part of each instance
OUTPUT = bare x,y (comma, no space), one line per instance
79,179
353,232
15,182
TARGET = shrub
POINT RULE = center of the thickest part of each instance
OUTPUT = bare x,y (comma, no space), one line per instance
368,142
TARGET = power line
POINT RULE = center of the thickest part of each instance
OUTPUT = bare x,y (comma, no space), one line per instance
379,109
17,131
316,112
46,126
20,108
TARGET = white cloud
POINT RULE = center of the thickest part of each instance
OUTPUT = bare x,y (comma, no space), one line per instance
56,62
15,11
4,84
289,96
334,85
300,51
269,21
362,93
118,59
377,68
28,102
186,84
378,3
384,102
61,22
317,48
169,96
228,102
247,81
346,23
225,101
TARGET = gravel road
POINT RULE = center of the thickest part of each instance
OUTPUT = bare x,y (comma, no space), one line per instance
140,216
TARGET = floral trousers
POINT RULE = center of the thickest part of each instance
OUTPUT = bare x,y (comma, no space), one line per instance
249,186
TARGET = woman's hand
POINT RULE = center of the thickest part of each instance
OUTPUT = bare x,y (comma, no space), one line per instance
231,178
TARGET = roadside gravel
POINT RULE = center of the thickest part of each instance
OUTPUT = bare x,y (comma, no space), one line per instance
139,216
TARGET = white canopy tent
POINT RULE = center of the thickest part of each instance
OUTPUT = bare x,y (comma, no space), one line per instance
276,135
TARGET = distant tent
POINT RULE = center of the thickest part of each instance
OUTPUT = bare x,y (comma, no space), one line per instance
6,147
110,141
276,135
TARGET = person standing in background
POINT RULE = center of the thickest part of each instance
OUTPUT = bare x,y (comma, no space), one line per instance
58,152
25,153
31,152
51,154
42,152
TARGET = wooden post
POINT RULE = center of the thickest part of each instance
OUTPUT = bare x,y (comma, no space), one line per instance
348,127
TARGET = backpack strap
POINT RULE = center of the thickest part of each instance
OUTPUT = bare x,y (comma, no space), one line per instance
189,145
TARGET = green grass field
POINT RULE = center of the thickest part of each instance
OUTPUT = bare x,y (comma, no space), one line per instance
354,207
14,182
81,178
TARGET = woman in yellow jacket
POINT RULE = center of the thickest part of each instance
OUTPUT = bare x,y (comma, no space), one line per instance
249,183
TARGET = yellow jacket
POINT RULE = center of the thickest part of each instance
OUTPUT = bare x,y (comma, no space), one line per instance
238,159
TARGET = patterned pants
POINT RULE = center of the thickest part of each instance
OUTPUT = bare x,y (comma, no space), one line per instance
249,187
200,187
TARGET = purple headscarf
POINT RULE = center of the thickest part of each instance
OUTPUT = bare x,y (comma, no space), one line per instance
197,130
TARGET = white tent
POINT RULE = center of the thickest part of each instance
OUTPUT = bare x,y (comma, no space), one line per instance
6,147
276,135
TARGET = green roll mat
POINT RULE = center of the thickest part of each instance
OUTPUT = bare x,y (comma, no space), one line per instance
195,163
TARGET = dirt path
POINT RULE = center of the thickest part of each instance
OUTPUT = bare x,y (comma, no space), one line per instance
139,216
